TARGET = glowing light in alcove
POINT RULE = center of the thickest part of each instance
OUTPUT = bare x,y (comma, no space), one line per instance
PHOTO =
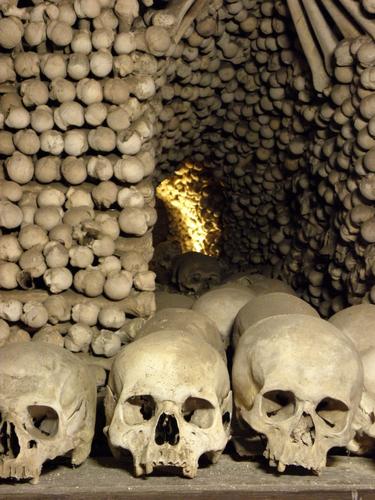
192,221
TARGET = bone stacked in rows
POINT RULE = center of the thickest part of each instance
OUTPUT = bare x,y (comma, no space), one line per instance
78,109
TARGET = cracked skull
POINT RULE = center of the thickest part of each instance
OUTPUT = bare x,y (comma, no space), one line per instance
168,402
298,381
47,408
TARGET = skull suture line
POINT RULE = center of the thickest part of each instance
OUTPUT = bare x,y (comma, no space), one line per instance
47,408
298,380
168,402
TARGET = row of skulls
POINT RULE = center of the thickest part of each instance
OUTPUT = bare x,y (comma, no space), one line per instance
302,382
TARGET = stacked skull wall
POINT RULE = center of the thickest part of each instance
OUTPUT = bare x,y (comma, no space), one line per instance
295,164
92,93
78,109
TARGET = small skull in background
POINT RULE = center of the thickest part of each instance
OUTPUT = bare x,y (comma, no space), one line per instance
47,408
162,261
298,380
195,272
168,402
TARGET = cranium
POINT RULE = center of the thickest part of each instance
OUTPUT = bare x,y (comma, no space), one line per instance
221,305
195,272
364,439
162,261
185,320
357,322
297,380
168,402
266,305
259,284
47,408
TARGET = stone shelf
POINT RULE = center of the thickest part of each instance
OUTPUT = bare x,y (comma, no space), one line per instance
103,478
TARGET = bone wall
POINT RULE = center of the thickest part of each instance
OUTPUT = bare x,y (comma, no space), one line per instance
78,112
94,94
295,164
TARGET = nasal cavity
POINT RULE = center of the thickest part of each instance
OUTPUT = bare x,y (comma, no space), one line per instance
9,444
308,421
167,430
308,430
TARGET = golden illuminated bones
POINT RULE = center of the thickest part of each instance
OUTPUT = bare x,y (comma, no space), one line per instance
298,380
193,200
168,402
47,408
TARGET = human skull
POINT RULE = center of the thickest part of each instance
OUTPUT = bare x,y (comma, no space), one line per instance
195,272
259,284
222,305
270,304
298,380
168,402
181,319
364,423
47,408
357,322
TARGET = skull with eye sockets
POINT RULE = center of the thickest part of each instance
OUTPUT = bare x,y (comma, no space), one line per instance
195,272
168,402
297,380
47,408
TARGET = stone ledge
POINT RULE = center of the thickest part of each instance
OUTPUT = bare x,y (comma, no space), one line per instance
103,478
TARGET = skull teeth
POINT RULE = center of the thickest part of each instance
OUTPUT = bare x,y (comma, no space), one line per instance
281,467
10,469
188,470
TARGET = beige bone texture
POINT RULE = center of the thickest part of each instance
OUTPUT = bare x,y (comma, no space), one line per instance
168,402
221,306
270,304
298,380
185,320
47,407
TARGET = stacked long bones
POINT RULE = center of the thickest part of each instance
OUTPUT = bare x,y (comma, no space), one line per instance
302,383
93,91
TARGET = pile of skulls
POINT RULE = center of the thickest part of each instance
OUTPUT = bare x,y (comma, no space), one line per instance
78,127
287,130
304,384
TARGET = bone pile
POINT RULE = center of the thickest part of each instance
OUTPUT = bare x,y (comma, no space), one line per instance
305,384
288,131
78,118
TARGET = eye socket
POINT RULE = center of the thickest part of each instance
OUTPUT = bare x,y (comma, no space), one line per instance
199,412
196,278
137,409
45,421
278,405
333,412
